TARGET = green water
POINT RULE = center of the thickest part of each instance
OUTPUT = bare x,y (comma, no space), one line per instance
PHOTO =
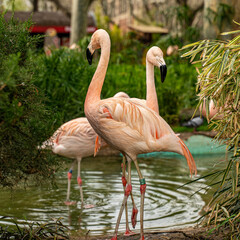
166,205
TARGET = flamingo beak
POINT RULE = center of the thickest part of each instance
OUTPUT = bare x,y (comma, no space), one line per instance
163,71
89,56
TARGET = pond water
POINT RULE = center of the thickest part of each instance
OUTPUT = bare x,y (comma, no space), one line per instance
166,205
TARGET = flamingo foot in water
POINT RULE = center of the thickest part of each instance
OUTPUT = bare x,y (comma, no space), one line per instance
134,216
129,233
114,238
89,206
68,203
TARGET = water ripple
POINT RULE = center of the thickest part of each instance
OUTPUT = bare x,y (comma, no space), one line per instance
167,204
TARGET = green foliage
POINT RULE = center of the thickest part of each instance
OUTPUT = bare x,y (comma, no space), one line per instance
25,122
17,5
178,90
53,230
15,38
218,80
125,49
65,76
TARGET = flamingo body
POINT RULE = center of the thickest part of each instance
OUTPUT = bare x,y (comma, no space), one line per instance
133,128
74,139
128,125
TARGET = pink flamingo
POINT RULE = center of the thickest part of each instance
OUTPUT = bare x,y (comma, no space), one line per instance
76,139
130,127
154,57
213,111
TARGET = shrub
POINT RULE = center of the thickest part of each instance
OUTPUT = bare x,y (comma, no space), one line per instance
65,76
218,80
25,122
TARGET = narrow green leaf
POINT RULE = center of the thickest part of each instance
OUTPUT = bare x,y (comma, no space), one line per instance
232,32
217,50
236,100
236,145
231,65
224,61
193,53
226,172
191,45
236,22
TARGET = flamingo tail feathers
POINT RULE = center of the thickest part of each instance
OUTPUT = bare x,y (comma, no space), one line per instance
97,145
189,157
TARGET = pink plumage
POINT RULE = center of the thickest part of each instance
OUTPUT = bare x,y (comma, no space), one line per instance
127,125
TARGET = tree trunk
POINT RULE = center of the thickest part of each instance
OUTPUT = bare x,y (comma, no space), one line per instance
79,19
210,30
35,5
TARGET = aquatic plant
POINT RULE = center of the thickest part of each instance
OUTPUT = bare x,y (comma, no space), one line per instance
218,67
34,230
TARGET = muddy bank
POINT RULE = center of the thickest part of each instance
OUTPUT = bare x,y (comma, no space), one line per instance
191,233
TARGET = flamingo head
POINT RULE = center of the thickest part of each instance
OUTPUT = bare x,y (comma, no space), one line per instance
97,40
155,57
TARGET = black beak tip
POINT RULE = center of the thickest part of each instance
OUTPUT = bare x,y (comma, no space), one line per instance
89,56
163,71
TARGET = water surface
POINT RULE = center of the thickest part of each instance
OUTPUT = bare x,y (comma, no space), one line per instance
166,205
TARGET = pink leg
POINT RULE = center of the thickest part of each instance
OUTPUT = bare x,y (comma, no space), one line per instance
126,194
142,189
134,216
67,202
134,210
128,232
79,180
69,184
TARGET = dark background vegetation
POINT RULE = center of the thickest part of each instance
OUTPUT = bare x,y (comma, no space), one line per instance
38,93
25,120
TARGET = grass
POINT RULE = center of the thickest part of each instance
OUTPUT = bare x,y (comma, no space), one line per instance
34,231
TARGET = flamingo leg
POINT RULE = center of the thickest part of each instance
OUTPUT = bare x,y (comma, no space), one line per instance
134,212
134,209
67,202
126,194
142,189
124,182
79,180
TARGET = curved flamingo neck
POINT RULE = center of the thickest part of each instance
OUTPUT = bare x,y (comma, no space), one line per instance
151,98
95,87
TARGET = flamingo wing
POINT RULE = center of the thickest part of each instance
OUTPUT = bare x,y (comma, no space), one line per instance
135,118
78,127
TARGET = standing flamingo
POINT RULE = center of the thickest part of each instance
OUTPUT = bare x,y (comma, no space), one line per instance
128,126
76,139
154,57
